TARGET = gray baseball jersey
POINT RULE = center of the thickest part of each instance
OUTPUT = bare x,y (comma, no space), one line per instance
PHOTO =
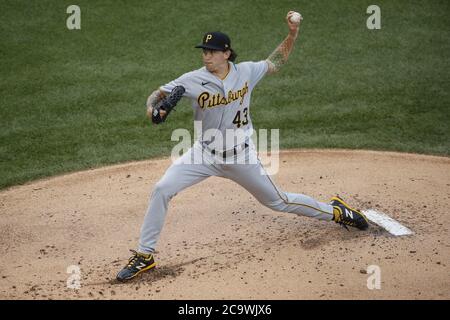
222,104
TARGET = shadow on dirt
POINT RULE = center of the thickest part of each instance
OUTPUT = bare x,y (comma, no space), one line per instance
316,238
159,273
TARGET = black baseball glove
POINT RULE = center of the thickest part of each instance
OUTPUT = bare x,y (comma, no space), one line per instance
167,104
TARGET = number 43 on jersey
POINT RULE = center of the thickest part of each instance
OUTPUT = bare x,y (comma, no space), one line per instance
237,118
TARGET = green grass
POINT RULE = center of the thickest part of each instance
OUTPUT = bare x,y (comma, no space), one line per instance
75,99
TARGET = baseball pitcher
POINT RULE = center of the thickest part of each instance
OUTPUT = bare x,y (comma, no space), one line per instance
220,94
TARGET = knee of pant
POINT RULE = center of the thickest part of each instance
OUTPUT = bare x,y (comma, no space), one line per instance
277,205
162,189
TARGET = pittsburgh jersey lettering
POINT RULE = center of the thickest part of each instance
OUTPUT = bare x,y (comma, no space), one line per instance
208,100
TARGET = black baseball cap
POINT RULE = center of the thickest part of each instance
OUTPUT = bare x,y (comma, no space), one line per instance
215,41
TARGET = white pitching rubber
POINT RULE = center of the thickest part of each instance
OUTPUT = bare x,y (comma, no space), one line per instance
383,220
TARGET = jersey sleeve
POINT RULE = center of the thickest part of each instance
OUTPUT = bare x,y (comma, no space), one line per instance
257,71
184,80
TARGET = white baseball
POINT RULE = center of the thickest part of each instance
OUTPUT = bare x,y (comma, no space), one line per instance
296,17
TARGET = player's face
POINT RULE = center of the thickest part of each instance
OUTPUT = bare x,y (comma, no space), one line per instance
214,59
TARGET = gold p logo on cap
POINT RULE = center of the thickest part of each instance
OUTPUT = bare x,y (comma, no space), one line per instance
208,37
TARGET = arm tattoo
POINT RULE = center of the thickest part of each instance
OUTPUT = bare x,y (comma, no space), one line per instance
281,53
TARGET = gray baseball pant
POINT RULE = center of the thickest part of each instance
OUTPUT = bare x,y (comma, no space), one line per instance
185,172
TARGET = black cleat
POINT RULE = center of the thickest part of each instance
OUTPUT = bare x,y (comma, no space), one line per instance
138,263
347,216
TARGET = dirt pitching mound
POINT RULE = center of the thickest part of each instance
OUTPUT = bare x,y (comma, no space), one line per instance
219,242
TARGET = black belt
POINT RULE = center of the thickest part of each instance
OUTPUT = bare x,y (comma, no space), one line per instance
225,154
